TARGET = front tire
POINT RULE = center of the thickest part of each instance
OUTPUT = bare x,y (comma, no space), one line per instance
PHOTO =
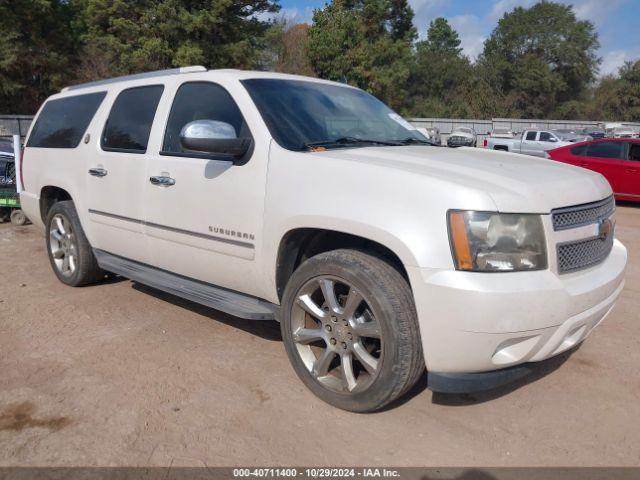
70,253
18,218
350,330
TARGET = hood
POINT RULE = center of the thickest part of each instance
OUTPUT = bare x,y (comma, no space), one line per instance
515,183
456,133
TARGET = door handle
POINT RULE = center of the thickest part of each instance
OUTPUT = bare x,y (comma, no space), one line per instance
162,181
98,172
630,170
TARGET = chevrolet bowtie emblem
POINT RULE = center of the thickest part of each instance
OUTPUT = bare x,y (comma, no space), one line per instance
605,228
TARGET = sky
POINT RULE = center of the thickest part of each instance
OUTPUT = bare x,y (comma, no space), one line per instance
616,22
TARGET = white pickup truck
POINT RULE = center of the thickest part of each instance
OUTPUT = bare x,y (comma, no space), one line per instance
277,197
533,142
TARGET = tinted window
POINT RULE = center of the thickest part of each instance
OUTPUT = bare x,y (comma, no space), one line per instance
634,152
63,121
301,115
201,101
6,146
531,136
5,179
580,151
129,123
606,150
545,137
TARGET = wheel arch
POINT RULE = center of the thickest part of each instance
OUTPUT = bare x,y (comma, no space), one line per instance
299,244
49,196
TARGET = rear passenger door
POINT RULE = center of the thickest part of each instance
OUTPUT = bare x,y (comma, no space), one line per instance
116,173
529,143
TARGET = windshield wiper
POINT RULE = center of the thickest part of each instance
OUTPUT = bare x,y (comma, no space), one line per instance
350,141
413,140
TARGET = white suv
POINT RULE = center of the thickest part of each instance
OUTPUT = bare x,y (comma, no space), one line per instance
272,196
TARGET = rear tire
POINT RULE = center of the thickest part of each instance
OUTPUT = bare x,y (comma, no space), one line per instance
70,253
350,330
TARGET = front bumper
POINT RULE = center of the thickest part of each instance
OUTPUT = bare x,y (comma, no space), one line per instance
478,322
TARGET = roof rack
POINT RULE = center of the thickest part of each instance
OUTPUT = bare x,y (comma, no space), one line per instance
138,76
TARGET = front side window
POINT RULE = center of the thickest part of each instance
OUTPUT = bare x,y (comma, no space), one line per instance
634,152
545,137
304,115
201,101
129,124
613,150
63,121
531,136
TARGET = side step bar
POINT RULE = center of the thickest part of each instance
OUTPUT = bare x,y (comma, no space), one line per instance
218,298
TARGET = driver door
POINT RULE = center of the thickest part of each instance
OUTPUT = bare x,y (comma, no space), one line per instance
546,141
204,221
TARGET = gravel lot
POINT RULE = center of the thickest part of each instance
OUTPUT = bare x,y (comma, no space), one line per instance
121,375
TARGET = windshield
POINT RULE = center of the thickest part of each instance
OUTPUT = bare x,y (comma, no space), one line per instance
566,136
303,115
464,130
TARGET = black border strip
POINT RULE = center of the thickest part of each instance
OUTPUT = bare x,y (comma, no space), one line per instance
316,472
237,243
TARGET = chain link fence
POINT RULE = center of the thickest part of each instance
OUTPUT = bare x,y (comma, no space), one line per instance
14,125
484,127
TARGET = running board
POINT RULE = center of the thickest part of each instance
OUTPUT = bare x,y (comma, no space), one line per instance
218,298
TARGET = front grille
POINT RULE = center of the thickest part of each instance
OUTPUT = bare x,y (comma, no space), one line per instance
460,140
572,217
576,255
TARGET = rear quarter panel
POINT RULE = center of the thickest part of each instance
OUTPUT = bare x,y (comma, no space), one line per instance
59,167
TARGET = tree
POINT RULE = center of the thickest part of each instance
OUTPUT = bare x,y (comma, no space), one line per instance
443,82
441,39
287,45
618,97
539,58
366,43
37,49
139,35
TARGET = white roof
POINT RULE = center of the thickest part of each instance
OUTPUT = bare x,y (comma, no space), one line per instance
163,74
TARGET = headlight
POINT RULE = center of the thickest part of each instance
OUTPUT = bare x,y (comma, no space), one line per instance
497,242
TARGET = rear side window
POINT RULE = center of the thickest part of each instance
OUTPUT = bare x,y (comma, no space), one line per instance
129,124
607,150
531,136
580,151
62,122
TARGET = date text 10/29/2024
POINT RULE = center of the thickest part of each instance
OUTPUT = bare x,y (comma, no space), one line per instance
315,472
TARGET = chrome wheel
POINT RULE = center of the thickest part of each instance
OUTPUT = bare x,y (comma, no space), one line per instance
62,245
336,334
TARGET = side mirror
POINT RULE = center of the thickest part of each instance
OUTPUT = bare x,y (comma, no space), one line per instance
215,137
553,139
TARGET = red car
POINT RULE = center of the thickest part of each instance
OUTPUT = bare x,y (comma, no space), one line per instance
618,159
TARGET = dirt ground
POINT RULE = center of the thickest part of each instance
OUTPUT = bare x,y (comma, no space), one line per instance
118,374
